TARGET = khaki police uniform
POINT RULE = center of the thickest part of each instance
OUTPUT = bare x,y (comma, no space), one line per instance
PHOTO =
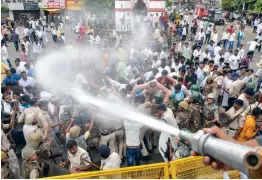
12,158
6,171
119,133
238,122
76,160
30,169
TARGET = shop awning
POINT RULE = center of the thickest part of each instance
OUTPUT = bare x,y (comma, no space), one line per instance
51,10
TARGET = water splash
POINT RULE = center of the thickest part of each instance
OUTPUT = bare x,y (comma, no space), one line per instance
56,72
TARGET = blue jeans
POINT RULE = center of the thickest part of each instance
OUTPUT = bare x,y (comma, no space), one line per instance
225,44
231,44
18,137
239,42
259,83
133,154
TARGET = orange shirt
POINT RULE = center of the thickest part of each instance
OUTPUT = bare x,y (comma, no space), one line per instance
248,129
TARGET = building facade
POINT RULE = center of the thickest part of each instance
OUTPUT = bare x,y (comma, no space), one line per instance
33,9
136,7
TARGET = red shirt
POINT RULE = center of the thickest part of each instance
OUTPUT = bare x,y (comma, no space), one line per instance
165,81
165,18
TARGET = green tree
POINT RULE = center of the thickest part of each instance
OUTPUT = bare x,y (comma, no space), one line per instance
229,5
258,6
99,6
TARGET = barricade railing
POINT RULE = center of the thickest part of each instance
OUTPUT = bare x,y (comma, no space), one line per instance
186,168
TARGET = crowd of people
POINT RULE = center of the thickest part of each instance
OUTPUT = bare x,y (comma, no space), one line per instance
187,75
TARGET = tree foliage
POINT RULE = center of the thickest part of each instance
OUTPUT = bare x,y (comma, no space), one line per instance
99,6
229,5
258,6
4,9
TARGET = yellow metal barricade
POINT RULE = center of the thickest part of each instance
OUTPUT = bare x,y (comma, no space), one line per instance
193,168
186,168
151,171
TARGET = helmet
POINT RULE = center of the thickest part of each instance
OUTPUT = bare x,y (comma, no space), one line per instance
29,119
33,144
66,115
28,152
35,137
183,104
195,95
220,70
211,96
74,131
195,87
251,85
3,155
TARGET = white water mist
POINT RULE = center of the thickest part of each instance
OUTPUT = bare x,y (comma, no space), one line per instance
56,73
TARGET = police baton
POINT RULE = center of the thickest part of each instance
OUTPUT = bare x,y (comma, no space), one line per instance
98,167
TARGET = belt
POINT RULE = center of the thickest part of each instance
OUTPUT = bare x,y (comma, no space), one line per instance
107,133
233,129
133,146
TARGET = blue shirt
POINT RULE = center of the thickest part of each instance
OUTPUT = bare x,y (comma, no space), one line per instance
9,80
31,72
180,30
16,76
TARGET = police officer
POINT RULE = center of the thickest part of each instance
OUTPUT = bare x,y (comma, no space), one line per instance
65,116
210,111
12,158
208,88
183,115
30,169
6,172
42,148
74,133
109,160
217,85
195,106
78,158
236,120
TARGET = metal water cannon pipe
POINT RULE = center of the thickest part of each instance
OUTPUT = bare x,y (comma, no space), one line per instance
247,160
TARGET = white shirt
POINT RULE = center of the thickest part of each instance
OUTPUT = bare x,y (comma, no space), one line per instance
176,67
168,116
196,53
36,48
227,56
28,82
225,36
132,132
20,68
216,50
200,35
232,37
241,53
7,107
217,59
253,45
75,159
40,34
4,54
234,62
204,55
184,31
112,162
215,38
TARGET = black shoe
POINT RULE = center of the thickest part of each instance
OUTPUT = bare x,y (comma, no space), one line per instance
145,158
123,161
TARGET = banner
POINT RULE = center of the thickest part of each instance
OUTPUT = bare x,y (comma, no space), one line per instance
75,4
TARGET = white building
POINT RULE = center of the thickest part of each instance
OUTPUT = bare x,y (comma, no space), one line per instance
133,7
